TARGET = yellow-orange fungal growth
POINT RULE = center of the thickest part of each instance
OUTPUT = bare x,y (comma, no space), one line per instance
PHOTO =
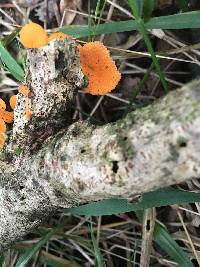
32,35
12,101
5,117
28,111
2,126
57,36
98,66
2,104
23,89
2,140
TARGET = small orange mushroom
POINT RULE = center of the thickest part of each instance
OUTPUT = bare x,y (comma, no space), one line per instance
2,104
57,36
5,117
2,126
23,89
32,35
100,69
12,101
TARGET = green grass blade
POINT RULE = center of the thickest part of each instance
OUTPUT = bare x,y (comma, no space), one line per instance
9,38
143,31
169,245
187,20
148,9
161,197
11,63
98,15
25,258
98,9
97,252
48,258
162,237
140,5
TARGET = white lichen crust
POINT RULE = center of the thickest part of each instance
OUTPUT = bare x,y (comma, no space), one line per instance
151,148
53,78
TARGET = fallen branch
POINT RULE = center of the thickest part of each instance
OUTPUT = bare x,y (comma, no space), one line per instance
151,148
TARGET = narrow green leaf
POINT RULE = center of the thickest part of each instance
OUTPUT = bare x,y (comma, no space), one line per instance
9,38
48,258
187,20
162,237
161,197
25,258
11,63
97,252
143,31
169,245
140,6
148,9
98,8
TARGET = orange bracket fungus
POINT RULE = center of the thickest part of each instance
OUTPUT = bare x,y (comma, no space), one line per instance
100,69
32,35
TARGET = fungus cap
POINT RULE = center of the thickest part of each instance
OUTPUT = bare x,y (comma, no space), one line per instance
57,36
7,116
12,101
2,126
100,69
23,89
2,104
32,35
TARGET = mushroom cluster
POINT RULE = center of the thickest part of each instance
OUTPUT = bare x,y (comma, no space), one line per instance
95,60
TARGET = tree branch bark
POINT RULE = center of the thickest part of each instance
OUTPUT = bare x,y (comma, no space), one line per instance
152,147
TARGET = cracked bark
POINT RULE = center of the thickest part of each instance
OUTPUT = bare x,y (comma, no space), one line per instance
50,162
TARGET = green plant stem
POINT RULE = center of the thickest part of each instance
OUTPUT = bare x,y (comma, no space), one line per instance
143,31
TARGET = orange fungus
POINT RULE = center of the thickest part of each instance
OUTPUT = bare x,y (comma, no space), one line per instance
5,117
23,89
57,36
100,69
2,126
12,101
2,104
32,35
2,140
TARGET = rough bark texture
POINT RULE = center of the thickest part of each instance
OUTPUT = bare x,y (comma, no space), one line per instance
152,147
